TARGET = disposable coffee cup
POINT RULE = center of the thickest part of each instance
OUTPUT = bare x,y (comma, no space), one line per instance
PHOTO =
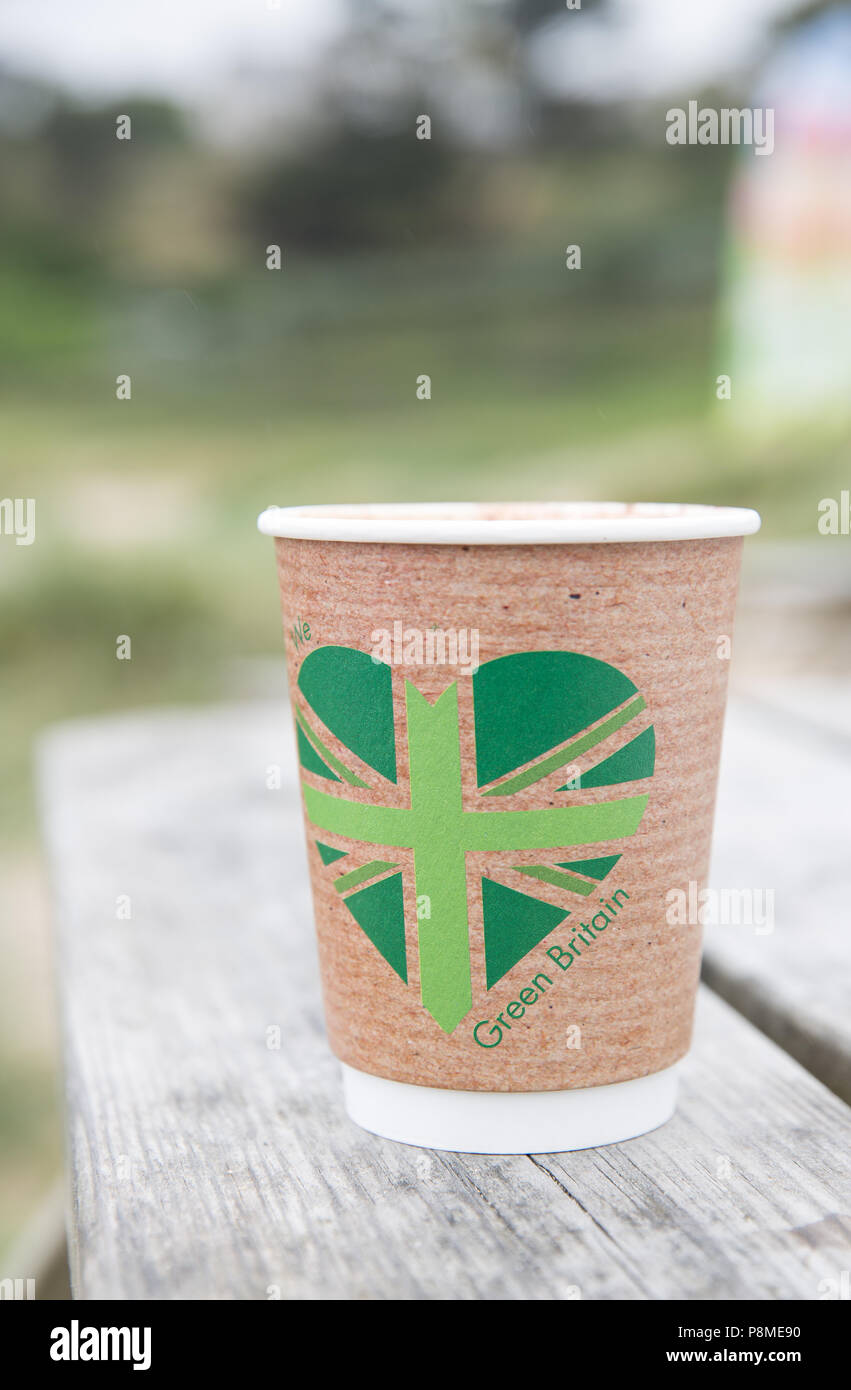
508,722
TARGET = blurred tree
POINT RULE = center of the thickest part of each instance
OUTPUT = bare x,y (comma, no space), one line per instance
84,150
358,189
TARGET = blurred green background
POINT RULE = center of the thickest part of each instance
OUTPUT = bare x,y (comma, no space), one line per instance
400,257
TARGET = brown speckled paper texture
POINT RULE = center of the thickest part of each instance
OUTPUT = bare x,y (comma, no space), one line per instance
659,613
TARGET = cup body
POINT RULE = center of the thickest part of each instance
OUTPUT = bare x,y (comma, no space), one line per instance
508,753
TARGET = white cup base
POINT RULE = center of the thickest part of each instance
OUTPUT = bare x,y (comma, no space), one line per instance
510,1122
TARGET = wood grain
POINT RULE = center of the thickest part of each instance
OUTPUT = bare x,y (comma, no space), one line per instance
207,1164
783,825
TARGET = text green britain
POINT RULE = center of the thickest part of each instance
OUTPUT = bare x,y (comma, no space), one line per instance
561,956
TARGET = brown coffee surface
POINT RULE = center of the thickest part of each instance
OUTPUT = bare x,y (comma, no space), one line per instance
660,612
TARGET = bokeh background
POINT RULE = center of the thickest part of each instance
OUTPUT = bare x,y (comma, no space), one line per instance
257,124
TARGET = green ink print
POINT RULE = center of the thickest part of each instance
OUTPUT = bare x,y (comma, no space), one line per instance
532,711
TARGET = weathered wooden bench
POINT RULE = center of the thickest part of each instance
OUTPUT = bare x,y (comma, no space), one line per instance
210,1156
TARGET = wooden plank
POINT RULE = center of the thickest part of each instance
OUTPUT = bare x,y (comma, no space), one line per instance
782,825
207,1164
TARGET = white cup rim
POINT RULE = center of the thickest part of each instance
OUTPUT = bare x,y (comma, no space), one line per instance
476,523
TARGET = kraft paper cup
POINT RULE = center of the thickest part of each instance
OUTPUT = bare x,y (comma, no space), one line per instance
508,721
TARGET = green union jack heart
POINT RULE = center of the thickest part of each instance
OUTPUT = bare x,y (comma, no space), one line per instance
535,714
